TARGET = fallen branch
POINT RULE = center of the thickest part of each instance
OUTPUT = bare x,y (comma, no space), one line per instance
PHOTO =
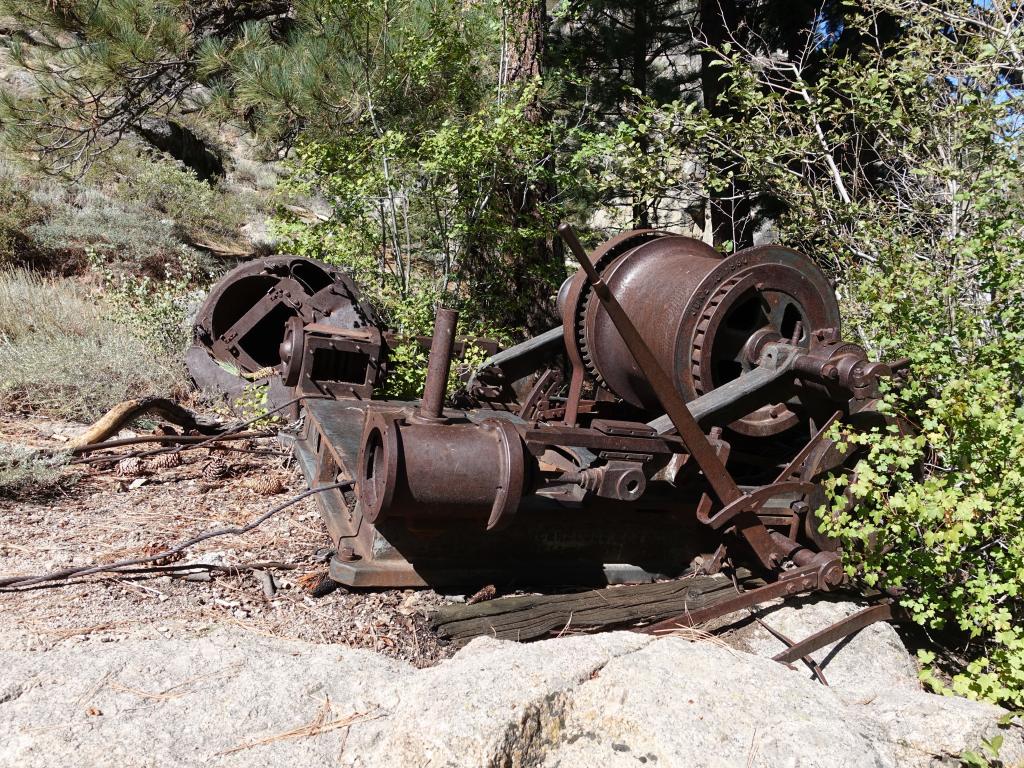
123,413
13,582
234,429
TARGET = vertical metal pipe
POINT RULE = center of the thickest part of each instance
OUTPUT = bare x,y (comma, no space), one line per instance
432,405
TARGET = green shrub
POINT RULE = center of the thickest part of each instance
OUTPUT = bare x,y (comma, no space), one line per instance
165,186
26,472
157,311
939,509
31,305
909,190
18,211
60,355
137,214
128,237
892,157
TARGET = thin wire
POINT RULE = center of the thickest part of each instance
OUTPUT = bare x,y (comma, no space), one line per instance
12,582
808,660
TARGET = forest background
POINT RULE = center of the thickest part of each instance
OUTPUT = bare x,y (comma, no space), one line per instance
431,147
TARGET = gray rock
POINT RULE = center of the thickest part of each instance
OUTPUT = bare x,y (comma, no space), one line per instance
682,703
494,703
872,661
185,701
235,698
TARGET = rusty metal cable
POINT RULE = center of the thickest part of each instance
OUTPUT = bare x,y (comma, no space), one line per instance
229,433
11,583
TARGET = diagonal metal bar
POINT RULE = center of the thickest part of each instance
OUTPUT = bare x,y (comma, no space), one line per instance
748,525
852,623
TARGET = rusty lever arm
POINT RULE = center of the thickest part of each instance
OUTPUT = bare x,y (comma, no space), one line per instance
686,426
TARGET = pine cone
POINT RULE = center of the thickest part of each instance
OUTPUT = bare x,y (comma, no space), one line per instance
486,593
266,485
166,460
130,467
216,469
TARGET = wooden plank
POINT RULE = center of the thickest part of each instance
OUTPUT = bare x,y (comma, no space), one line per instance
528,617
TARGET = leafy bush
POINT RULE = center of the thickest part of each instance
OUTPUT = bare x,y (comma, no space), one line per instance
897,166
18,211
128,237
14,216
427,195
60,355
135,214
196,207
157,311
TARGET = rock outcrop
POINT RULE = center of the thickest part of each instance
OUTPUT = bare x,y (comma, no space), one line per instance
235,698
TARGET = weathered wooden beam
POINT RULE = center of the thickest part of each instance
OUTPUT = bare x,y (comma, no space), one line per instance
528,617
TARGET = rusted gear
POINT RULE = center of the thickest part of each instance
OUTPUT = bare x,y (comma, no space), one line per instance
245,319
770,293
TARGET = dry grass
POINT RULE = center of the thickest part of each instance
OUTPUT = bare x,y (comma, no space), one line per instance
30,305
60,356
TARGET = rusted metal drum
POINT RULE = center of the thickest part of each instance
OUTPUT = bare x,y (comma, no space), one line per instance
440,471
702,315
252,315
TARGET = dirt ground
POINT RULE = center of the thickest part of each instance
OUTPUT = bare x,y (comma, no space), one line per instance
101,515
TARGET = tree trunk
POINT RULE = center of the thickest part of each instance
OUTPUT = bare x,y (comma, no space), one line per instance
729,210
541,255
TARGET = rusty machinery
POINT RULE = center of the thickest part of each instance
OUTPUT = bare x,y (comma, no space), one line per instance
683,404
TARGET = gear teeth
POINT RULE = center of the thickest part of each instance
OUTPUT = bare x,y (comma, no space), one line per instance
700,332
586,296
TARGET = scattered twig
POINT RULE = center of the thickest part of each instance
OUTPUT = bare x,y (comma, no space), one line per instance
320,724
176,690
